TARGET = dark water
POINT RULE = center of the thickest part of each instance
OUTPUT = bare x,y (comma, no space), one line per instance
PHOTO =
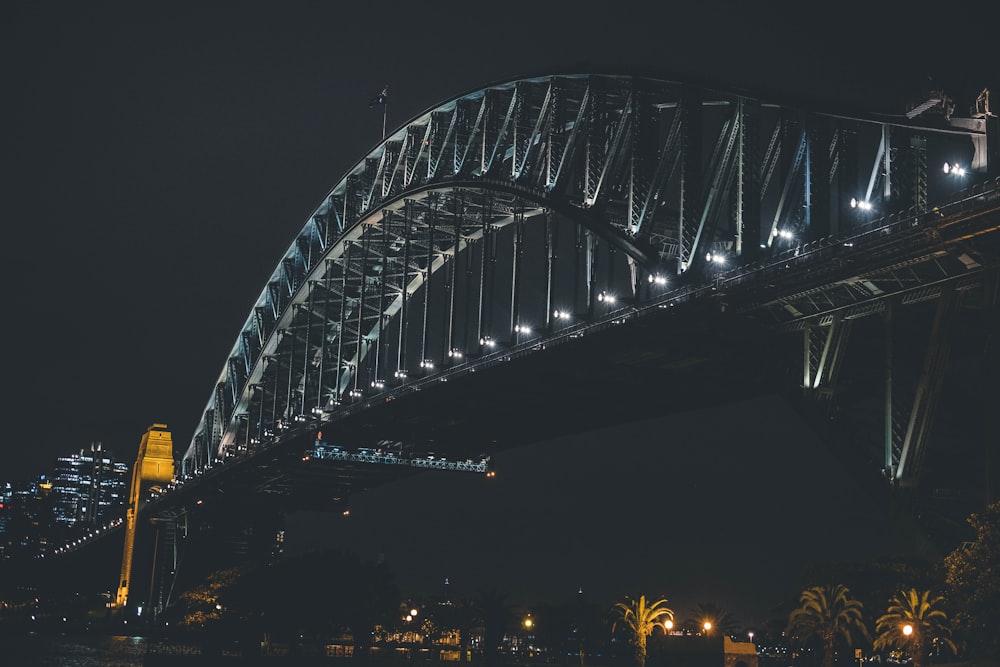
68,651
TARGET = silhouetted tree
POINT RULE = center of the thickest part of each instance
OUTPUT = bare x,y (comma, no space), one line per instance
568,630
316,594
495,616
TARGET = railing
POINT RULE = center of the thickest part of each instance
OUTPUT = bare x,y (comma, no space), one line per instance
391,458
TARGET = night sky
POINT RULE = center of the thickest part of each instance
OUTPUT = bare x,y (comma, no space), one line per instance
156,163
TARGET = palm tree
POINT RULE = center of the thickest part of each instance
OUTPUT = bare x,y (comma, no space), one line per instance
826,612
911,619
638,619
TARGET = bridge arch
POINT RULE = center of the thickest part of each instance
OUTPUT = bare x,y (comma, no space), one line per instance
512,212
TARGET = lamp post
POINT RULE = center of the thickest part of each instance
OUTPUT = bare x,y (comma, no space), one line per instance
908,631
528,624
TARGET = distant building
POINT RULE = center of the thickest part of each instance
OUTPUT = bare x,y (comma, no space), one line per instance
89,488
26,516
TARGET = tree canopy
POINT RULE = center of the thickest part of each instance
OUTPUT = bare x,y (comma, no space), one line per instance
972,573
826,613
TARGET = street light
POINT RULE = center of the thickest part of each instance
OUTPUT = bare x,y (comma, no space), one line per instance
668,625
707,627
907,630
528,624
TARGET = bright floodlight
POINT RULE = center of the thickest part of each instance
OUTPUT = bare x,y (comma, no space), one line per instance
954,169
707,626
907,629
668,624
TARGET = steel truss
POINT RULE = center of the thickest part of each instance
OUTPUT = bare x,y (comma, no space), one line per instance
513,213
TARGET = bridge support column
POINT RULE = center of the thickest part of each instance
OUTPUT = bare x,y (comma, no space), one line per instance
991,417
154,463
822,355
927,392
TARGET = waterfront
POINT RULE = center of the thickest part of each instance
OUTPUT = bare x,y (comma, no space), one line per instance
73,651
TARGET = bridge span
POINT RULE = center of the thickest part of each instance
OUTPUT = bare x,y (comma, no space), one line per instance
551,255
534,212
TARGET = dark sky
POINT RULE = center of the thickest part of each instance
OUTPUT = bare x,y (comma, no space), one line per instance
158,160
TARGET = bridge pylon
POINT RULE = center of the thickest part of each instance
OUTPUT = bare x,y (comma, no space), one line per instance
154,463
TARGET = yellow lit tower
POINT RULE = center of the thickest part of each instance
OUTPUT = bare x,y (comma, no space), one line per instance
155,463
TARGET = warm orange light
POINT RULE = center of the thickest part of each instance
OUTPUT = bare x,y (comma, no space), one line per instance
907,629
668,625
528,623
707,626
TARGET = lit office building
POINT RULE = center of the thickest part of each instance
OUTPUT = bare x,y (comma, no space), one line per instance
89,488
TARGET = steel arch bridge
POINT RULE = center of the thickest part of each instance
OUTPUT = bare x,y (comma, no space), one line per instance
508,216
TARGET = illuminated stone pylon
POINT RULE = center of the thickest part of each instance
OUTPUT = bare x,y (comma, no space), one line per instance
155,463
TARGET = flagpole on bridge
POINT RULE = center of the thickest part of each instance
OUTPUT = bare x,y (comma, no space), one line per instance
382,99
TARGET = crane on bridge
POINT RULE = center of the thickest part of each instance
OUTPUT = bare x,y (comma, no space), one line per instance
154,463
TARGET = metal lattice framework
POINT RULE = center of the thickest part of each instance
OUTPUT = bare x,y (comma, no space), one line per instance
511,213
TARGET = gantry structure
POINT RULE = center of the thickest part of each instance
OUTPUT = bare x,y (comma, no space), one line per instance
515,216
